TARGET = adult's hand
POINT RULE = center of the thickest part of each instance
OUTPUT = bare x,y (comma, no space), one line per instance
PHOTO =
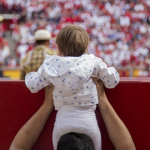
48,95
117,131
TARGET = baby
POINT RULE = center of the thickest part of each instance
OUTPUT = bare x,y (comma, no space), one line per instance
75,95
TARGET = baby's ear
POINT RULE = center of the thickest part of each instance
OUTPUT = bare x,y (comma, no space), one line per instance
87,52
58,51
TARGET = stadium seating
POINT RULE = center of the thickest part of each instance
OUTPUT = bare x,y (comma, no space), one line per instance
119,30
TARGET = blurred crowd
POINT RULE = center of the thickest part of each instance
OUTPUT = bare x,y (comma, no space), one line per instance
119,30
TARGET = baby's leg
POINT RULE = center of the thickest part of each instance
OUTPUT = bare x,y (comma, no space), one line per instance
73,121
89,126
95,135
56,136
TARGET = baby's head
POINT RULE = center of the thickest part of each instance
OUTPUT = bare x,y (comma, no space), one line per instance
72,40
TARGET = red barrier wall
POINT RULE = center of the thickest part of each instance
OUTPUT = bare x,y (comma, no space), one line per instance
130,99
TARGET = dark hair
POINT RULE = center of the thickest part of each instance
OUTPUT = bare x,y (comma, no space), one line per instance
72,40
39,42
75,141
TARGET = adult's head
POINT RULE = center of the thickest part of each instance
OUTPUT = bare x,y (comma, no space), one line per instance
42,37
72,40
75,141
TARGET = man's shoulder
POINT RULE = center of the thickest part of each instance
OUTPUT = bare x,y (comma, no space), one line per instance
51,52
26,58
45,50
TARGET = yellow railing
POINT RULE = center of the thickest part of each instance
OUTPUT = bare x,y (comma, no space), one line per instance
13,73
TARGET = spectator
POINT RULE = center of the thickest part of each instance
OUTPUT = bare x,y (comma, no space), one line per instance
35,57
124,24
22,49
2,27
4,51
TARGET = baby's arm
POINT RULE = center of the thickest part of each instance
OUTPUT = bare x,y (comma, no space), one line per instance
108,75
35,81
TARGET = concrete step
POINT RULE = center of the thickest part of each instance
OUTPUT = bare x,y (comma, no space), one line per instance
12,44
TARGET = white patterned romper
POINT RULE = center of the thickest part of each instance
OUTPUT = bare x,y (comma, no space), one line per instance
75,95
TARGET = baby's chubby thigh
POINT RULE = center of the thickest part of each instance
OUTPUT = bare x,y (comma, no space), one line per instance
88,125
79,121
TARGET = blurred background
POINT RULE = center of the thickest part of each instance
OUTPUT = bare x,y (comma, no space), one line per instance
119,31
